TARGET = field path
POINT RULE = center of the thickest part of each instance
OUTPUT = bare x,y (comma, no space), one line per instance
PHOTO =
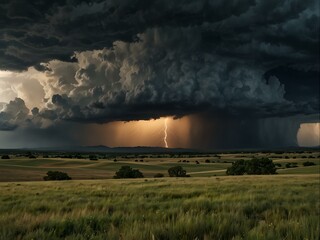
211,171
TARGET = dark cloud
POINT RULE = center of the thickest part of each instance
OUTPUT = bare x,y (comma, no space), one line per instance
267,31
156,77
212,132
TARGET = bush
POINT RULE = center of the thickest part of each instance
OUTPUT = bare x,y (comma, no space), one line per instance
207,161
5,157
291,165
128,172
158,175
177,171
254,166
56,175
306,164
93,158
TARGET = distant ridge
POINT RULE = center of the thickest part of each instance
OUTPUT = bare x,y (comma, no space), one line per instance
145,149
106,149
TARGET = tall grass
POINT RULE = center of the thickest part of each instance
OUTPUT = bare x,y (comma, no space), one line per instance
246,207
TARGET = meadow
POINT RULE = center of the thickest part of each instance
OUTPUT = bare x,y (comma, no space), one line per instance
207,205
244,207
23,168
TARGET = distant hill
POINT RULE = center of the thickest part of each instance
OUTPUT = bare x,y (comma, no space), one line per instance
106,149
144,149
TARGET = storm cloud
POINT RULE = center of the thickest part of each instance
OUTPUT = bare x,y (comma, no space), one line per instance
103,61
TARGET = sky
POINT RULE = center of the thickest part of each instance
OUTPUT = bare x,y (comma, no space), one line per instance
217,74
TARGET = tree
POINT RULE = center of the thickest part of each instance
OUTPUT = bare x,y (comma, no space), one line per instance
177,171
128,172
254,166
237,168
5,157
260,166
306,164
56,175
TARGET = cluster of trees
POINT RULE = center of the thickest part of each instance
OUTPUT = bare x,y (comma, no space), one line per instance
177,171
306,164
129,172
255,166
5,157
56,175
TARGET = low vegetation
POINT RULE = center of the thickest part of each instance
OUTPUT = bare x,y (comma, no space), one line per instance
237,207
128,172
255,166
177,171
56,175
159,175
306,164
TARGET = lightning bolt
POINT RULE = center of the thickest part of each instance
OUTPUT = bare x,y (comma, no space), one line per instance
165,132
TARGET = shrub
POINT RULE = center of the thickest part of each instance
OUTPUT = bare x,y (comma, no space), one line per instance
306,164
56,175
93,157
5,157
177,171
128,172
158,175
254,166
207,161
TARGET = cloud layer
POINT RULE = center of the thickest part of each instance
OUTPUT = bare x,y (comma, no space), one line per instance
102,61
265,31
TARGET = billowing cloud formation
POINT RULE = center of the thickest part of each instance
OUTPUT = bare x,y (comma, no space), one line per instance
155,77
13,114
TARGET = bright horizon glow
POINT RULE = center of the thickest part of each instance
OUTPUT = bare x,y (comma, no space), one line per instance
309,135
148,133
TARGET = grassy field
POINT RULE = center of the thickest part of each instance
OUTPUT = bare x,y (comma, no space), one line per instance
244,207
24,169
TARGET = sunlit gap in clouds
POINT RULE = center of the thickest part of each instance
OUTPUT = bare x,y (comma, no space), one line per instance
309,135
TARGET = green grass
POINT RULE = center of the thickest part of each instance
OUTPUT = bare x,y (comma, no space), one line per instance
245,207
25,169
301,170
27,162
